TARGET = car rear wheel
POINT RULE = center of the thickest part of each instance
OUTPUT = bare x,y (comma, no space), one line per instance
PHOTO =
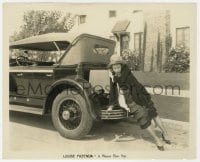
70,115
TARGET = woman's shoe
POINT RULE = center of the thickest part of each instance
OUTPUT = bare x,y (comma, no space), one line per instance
161,148
166,141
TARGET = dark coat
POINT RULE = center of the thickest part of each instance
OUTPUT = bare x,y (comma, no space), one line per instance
137,92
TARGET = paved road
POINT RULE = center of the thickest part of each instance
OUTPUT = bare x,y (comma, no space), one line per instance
36,134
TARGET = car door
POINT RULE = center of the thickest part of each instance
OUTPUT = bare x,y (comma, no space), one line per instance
40,84
18,85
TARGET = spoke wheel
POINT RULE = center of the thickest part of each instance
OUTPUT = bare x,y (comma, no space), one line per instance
70,115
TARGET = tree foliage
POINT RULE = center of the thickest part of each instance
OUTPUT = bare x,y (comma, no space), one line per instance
41,22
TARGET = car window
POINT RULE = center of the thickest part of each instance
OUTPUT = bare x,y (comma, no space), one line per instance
101,50
40,56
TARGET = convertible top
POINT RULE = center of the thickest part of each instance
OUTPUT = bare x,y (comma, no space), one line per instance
50,41
45,42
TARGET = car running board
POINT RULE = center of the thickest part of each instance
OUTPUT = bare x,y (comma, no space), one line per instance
26,109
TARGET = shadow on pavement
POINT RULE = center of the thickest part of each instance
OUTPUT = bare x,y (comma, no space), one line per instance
32,120
123,131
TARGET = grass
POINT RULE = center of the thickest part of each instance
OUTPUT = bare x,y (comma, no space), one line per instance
146,78
163,79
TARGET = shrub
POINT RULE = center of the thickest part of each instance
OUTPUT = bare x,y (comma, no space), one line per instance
178,60
131,58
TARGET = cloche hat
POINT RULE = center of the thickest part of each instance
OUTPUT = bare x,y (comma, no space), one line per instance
115,59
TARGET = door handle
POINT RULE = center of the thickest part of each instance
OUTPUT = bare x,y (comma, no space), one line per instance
49,75
20,74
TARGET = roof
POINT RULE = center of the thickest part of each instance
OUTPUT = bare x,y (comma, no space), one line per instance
121,26
45,41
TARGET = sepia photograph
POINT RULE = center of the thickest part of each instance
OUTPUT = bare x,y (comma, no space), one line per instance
88,81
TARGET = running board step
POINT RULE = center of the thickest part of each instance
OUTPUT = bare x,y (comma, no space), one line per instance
26,109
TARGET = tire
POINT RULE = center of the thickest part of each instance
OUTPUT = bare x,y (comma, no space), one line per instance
85,122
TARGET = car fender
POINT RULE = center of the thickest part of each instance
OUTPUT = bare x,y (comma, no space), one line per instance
82,85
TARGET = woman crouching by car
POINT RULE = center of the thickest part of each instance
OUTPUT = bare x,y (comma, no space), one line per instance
136,99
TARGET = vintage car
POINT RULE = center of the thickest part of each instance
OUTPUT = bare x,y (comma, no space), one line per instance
51,73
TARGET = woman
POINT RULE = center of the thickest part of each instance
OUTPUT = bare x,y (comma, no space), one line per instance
137,100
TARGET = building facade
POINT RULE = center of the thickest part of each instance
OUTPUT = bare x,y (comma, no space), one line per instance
148,33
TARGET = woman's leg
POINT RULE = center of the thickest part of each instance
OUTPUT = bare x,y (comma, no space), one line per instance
151,130
159,123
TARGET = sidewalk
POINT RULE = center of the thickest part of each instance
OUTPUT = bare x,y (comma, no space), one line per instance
168,92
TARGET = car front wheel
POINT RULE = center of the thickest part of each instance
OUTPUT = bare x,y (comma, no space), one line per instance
70,115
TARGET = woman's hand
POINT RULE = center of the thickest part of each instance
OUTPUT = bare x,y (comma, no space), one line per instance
110,108
110,74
